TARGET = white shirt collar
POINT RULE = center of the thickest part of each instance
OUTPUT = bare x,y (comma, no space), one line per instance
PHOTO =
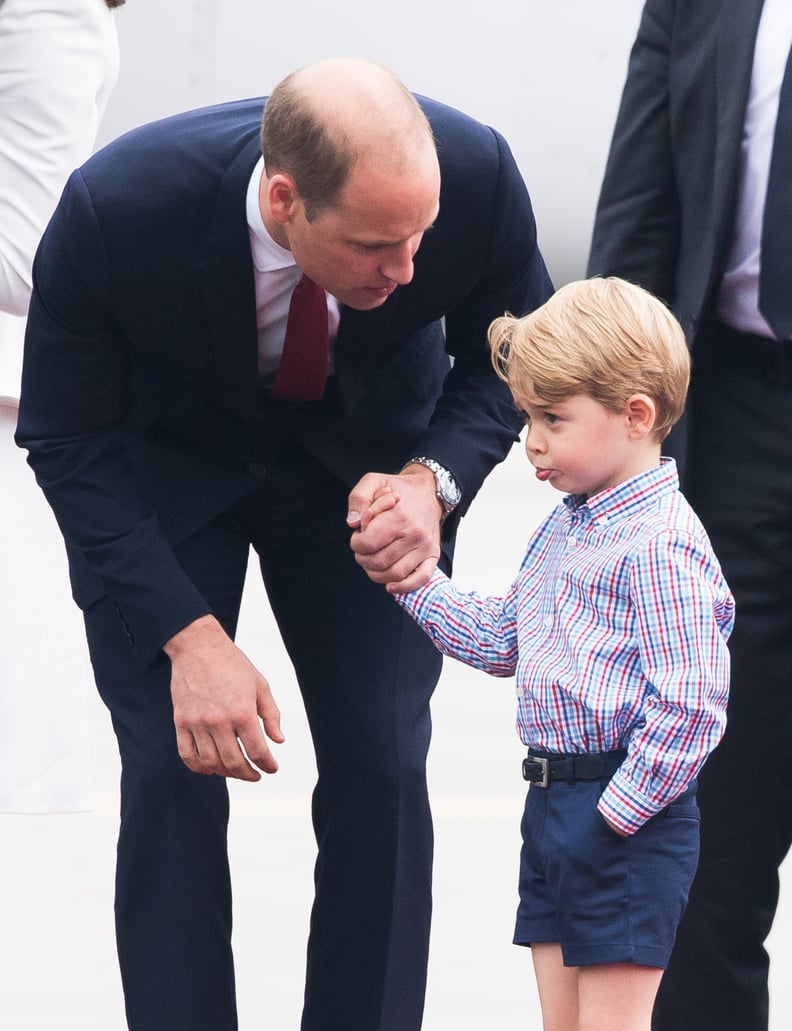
268,256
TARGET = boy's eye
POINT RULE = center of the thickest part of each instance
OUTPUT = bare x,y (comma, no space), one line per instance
550,417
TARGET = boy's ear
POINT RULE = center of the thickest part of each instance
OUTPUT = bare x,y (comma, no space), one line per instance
641,414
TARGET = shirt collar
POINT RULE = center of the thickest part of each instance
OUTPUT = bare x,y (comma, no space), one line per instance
268,256
629,497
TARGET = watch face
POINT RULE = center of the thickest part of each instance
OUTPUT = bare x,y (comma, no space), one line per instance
448,490
448,487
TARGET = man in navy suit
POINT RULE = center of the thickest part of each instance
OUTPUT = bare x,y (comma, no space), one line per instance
148,410
681,212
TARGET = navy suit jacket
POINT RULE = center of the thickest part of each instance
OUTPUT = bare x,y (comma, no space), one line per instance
140,369
666,211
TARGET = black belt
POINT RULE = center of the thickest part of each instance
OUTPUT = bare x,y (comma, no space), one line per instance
541,770
754,356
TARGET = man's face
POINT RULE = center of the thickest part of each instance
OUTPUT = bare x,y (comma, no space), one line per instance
362,249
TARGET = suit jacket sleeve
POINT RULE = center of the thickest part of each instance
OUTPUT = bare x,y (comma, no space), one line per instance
474,422
637,226
74,412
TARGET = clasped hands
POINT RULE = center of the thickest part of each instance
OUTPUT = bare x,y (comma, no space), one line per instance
396,527
223,709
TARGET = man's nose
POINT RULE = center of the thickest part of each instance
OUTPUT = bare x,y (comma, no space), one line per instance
398,265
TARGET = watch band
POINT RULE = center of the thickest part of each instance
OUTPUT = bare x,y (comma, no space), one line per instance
446,487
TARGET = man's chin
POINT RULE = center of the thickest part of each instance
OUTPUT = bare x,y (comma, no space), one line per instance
366,300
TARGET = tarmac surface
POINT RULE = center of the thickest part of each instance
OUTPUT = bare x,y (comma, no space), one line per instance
57,949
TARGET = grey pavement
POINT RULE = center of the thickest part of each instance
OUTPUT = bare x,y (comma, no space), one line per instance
57,952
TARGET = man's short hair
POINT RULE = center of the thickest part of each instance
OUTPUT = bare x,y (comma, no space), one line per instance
304,137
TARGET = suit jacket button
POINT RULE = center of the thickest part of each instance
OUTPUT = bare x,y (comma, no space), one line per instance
258,470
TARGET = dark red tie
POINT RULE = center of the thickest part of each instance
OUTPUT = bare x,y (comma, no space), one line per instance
302,371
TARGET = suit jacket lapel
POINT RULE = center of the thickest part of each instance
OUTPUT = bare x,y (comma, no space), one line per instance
228,289
738,23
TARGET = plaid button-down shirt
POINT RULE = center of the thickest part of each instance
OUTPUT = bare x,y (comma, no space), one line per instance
615,629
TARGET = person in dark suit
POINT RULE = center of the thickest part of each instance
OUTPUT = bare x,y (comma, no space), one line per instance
156,427
681,212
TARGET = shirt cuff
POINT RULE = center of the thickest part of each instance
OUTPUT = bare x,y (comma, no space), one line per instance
625,807
415,600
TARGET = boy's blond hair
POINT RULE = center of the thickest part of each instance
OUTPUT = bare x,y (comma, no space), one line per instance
606,338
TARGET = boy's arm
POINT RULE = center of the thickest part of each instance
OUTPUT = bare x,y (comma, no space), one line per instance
684,614
479,631
469,628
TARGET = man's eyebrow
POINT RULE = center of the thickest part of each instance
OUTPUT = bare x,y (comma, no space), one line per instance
383,243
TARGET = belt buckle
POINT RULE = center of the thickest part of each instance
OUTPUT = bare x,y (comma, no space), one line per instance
544,765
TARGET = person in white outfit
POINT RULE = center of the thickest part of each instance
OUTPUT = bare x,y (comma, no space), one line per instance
59,62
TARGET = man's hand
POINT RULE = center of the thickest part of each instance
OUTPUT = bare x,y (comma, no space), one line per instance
218,697
401,546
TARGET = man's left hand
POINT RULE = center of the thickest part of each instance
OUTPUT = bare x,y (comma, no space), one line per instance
401,546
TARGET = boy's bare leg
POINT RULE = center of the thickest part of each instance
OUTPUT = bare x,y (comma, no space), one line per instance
558,987
617,996
606,997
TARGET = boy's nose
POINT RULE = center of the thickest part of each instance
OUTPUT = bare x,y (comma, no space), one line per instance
534,444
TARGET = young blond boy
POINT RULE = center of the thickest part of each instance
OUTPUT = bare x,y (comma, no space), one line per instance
616,630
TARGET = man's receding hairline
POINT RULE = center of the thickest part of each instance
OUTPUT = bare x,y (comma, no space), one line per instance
364,100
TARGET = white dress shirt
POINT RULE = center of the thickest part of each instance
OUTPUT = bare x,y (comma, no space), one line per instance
276,276
738,298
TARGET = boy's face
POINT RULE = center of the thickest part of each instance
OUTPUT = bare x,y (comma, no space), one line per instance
581,447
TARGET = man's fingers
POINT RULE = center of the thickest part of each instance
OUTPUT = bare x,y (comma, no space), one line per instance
270,714
253,740
362,494
397,560
228,754
222,705
252,748
188,751
417,578
387,539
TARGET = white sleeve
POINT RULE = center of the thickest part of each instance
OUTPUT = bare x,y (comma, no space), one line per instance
58,65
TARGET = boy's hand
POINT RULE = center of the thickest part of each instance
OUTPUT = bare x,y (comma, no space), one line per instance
383,501
614,828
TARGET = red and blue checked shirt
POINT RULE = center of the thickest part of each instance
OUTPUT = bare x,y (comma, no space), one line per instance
616,630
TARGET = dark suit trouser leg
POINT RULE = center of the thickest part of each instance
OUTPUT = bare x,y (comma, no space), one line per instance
366,673
173,895
740,482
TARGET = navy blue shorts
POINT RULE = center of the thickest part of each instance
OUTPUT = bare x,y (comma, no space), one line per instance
604,898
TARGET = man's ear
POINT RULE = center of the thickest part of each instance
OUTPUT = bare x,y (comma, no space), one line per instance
279,197
641,414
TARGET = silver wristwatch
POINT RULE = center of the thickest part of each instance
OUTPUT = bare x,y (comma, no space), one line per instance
446,487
